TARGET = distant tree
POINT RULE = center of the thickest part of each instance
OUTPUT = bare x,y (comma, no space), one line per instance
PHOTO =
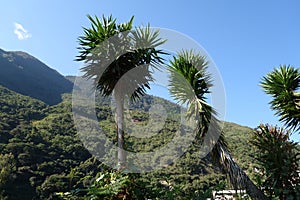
283,85
7,170
190,83
279,158
129,50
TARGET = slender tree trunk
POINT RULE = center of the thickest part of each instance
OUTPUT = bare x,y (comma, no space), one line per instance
120,130
252,190
237,176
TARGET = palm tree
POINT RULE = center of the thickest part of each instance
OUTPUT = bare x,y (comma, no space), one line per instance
283,85
190,83
279,158
110,51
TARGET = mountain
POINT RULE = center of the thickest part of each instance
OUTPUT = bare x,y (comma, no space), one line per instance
27,75
41,153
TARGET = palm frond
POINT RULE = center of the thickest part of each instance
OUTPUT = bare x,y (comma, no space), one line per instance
110,51
283,85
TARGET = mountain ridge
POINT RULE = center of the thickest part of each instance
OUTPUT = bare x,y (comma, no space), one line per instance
27,75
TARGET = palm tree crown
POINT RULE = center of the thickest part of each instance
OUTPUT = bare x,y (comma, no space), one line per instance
283,85
110,50
190,84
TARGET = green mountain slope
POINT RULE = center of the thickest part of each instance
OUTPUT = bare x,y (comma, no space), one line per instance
27,75
38,141
46,155
17,110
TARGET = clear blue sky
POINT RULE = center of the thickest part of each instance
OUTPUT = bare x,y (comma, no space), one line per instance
246,39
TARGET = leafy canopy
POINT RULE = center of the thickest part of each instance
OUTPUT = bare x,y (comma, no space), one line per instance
283,85
190,83
279,158
111,50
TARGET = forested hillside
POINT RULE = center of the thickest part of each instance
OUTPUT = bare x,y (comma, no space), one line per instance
42,155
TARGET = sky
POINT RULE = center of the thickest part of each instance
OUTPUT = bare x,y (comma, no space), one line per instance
245,39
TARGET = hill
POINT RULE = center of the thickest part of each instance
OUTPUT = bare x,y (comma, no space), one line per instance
16,110
41,153
27,75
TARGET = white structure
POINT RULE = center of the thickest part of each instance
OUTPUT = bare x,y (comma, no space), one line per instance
228,194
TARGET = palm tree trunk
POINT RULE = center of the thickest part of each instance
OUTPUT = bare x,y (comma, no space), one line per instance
120,130
237,176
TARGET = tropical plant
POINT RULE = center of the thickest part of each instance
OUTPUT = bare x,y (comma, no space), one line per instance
190,83
283,85
279,159
110,51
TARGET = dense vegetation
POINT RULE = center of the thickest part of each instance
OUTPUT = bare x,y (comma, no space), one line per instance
280,168
41,155
27,75
279,155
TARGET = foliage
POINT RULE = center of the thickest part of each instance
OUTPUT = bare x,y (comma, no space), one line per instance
7,169
49,157
283,85
110,51
239,142
279,159
106,185
45,149
190,83
108,40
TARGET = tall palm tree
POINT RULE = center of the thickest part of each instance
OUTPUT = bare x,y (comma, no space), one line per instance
110,51
283,85
190,83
